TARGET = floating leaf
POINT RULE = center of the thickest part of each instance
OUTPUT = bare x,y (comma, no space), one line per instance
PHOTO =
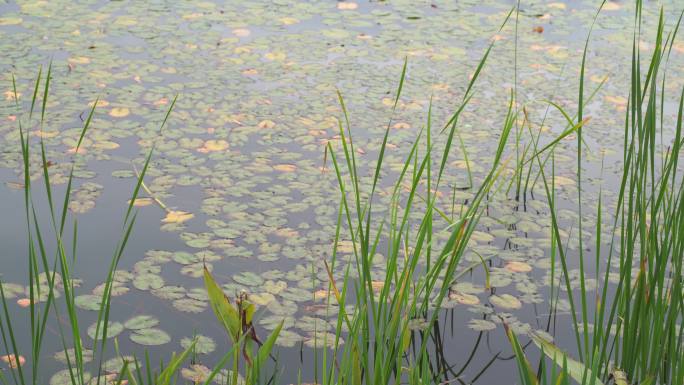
80,60
61,356
11,290
148,281
116,364
195,269
170,292
24,302
241,32
518,267
113,330
611,6
213,146
464,298
285,167
505,301
150,337
266,124
347,5
119,112
563,181
289,20
141,322
203,344
13,361
142,202
275,56
10,20
116,289
88,301
481,325
177,217
557,5
107,379
63,377
225,376
190,305
248,278
196,373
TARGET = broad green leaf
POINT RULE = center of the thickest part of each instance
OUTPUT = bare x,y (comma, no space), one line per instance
169,373
576,369
527,374
225,312
265,349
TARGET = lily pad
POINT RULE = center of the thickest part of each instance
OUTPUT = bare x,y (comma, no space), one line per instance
141,322
88,301
63,377
190,305
113,330
148,281
150,337
203,344
248,278
481,325
505,301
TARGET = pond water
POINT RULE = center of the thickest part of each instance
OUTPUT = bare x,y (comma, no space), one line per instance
242,154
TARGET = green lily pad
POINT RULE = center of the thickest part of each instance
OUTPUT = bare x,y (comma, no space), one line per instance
203,344
61,356
150,337
113,330
170,292
88,302
190,305
148,281
248,278
196,374
141,322
63,377
184,258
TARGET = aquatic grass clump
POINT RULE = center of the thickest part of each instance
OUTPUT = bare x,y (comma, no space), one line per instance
51,288
398,311
635,336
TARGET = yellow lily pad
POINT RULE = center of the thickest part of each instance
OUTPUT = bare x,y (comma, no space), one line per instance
177,216
10,20
518,267
266,124
119,112
214,145
285,167
79,60
505,301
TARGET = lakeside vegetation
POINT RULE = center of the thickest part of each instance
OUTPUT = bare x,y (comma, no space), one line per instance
629,333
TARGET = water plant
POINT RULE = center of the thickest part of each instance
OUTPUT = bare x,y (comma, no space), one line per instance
51,257
399,310
237,321
635,334
385,324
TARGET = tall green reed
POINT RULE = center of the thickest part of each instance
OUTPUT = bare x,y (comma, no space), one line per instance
49,272
418,274
636,333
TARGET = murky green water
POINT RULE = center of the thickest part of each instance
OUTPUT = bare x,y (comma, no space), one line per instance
243,151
